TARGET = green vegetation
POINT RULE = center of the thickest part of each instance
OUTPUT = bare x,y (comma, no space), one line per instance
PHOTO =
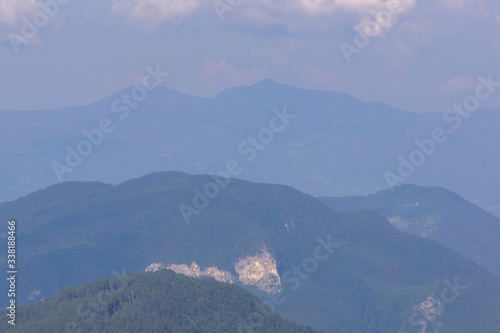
437,214
162,301
74,233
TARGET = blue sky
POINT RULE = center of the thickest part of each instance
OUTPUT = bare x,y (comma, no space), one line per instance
422,56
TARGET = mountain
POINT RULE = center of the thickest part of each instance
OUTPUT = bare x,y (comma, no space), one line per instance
332,145
333,271
437,214
150,302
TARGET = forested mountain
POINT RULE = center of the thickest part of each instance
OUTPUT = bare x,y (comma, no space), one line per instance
151,302
333,271
438,214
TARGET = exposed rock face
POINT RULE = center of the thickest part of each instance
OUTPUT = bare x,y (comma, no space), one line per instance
195,271
399,223
430,310
423,228
154,267
220,275
259,271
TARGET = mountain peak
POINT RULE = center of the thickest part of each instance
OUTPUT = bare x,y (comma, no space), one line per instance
265,83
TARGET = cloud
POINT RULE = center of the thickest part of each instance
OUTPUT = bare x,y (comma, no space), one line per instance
382,16
296,15
456,85
11,11
322,7
13,15
292,15
151,14
282,53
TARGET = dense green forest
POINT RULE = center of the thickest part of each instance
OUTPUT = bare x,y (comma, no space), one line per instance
160,301
435,213
74,233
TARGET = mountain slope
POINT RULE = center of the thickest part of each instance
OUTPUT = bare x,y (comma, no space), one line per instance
336,272
149,302
438,214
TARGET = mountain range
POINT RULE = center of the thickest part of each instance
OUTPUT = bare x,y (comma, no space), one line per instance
435,213
331,144
333,271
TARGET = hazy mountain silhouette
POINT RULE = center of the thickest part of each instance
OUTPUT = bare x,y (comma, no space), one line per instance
336,145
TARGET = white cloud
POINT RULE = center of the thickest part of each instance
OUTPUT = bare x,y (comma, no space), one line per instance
382,16
321,7
150,14
456,85
294,15
11,11
13,17
318,6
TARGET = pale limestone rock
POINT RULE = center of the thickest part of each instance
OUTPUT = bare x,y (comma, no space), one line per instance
425,227
399,223
219,275
154,267
195,271
260,271
430,309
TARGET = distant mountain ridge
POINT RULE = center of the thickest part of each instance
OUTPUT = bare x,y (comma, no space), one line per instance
336,145
335,271
438,214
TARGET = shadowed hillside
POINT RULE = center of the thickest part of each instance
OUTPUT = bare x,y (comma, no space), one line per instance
332,271
150,302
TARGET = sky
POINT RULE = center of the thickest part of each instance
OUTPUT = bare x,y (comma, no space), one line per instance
417,55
